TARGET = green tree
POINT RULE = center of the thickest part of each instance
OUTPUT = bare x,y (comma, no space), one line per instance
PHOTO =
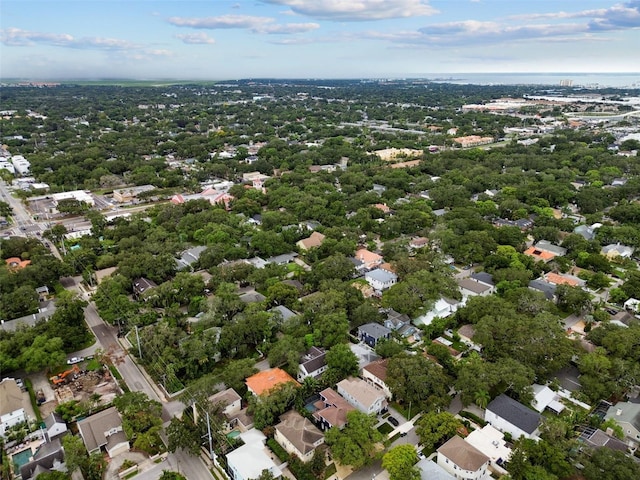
169,475
415,379
435,428
355,443
400,463
341,363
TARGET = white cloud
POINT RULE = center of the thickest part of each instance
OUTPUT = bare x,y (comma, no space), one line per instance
357,10
200,38
23,38
265,25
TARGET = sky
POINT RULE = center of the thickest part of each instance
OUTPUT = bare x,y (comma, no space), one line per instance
225,40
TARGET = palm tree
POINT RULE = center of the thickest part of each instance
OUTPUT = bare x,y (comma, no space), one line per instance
482,398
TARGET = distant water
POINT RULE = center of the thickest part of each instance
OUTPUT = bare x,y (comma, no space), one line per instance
620,80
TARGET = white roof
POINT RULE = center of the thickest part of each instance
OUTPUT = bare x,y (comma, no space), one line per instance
542,396
489,441
251,458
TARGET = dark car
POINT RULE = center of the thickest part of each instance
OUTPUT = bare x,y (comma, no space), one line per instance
393,421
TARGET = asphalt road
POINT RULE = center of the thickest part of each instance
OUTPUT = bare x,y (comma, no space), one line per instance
136,380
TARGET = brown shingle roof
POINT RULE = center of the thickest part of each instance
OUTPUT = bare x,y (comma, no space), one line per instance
378,368
299,431
464,455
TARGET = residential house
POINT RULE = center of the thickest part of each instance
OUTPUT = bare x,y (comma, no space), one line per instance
384,208
546,288
298,436
375,374
491,443
364,352
370,260
463,460
545,398
248,461
596,438
398,322
380,279
617,251
189,257
627,415
313,241
483,277
545,251
312,364
587,232
418,242
104,430
129,194
283,312
142,285
372,333
466,333
16,263
252,297
563,279
229,401
283,259
331,410
511,416
12,411
441,309
432,471
48,457
632,304
363,396
472,288
54,425
263,382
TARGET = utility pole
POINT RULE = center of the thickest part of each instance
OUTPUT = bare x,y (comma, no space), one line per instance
211,454
138,338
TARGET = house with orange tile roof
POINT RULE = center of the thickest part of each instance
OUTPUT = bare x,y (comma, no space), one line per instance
263,382
313,241
539,255
16,263
370,260
383,207
561,279
545,251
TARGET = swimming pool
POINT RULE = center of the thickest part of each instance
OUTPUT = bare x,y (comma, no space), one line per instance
233,434
21,458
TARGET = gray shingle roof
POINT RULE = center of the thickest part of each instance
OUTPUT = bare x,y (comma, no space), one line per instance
374,330
515,413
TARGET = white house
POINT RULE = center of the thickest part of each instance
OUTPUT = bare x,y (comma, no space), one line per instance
380,279
11,410
55,425
544,397
463,460
375,373
510,416
442,309
361,395
229,401
248,461
491,442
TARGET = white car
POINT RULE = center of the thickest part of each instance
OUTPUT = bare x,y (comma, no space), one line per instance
73,360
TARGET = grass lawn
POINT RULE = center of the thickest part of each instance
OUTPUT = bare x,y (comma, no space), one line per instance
385,428
331,469
93,365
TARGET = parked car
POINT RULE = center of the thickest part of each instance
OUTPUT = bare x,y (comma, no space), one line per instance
20,383
393,421
73,360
